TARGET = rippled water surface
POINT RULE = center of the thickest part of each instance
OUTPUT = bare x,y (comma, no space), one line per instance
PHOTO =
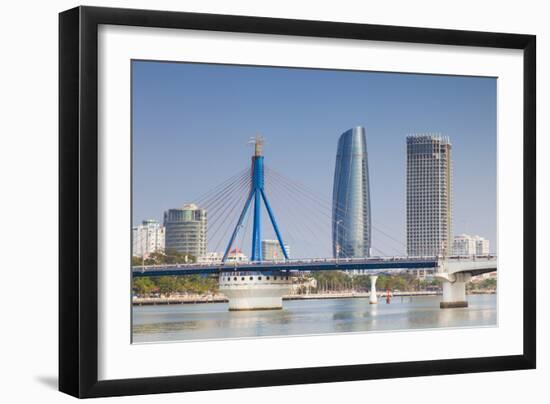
299,317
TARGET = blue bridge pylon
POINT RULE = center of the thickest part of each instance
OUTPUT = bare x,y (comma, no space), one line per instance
257,193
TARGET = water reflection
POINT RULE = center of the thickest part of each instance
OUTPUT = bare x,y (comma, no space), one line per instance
214,321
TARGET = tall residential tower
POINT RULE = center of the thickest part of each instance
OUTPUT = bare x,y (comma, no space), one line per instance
429,209
186,230
351,215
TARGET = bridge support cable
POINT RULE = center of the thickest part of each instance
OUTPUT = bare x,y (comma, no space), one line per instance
214,193
229,214
274,223
297,192
327,206
219,210
320,201
303,216
239,223
289,220
217,207
226,225
221,204
244,232
212,204
296,224
327,217
311,195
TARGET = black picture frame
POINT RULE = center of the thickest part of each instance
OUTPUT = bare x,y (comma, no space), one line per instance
78,201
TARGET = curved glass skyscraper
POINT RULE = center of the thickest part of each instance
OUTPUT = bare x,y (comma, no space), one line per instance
351,217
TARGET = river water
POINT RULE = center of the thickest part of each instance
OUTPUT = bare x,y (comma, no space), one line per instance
184,322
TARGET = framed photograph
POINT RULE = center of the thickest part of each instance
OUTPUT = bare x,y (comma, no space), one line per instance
250,201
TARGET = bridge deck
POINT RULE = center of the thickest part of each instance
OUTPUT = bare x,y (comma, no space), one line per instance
370,264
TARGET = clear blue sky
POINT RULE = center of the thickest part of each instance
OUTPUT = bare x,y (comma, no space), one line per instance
192,122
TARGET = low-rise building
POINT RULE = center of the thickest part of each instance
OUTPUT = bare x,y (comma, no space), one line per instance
482,246
271,250
210,258
236,255
466,245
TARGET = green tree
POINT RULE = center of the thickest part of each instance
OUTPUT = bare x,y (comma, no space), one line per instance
197,284
361,282
143,286
333,280
488,283
168,257
167,284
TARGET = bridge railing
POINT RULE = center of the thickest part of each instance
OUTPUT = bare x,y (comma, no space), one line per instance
314,261
288,262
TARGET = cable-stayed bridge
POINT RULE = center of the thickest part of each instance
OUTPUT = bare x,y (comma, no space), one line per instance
372,265
259,283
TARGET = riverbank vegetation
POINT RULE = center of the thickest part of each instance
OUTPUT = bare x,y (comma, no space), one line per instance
487,284
340,281
164,257
169,285
326,281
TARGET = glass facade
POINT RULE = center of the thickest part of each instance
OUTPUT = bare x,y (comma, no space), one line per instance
351,213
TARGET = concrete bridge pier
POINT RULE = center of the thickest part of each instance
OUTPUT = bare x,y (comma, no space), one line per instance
254,290
454,290
373,299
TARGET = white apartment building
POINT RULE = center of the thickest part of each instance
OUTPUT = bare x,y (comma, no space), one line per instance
271,250
482,246
210,258
466,244
147,238
236,255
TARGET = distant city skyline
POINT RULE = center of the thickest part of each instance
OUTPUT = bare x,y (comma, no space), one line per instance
191,124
